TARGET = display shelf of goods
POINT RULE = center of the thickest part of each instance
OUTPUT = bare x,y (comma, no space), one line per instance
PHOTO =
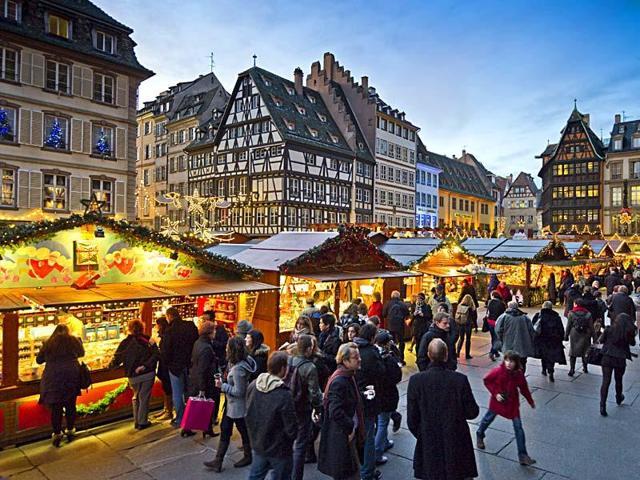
248,303
226,310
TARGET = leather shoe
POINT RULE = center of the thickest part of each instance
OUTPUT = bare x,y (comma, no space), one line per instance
382,460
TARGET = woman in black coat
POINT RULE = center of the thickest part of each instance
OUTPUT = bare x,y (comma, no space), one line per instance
341,434
60,383
616,340
163,372
548,343
421,318
258,351
552,291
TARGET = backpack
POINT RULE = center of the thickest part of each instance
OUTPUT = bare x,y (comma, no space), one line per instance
295,383
581,325
462,314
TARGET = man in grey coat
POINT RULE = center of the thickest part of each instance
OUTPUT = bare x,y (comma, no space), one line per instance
515,331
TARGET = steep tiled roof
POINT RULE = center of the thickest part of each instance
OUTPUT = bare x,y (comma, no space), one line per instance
524,180
456,176
551,148
628,130
362,150
316,116
90,10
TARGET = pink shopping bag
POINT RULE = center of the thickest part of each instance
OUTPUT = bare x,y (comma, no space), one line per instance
197,414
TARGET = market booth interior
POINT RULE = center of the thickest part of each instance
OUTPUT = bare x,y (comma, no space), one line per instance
95,274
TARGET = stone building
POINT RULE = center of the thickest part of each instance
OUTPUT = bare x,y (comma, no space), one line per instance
166,126
621,192
520,206
68,87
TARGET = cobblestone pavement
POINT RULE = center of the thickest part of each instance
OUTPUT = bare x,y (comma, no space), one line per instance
565,434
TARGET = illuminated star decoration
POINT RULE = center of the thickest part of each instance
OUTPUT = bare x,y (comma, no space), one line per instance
93,205
196,203
170,228
202,231
172,198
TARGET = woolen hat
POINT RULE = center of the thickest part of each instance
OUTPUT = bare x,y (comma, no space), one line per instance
244,327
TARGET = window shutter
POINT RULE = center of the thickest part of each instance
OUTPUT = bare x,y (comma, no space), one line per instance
87,83
121,143
38,70
119,197
86,187
25,126
35,189
76,135
25,74
36,128
122,87
75,193
23,189
77,80
86,138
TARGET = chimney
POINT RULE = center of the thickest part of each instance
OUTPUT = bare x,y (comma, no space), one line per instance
585,118
464,152
329,61
297,79
364,81
617,118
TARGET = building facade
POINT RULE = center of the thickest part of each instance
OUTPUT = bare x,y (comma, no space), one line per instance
427,193
571,176
166,127
465,201
621,190
281,161
520,206
68,87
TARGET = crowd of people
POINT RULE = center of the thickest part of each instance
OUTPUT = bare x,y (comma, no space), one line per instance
337,379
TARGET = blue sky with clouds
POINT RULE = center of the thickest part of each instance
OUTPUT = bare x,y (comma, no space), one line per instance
495,77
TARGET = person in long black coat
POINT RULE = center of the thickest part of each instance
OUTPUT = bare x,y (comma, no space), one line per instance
548,343
60,383
343,425
421,318
552,290
439,403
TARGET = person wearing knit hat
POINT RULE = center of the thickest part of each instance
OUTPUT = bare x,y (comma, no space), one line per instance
243,327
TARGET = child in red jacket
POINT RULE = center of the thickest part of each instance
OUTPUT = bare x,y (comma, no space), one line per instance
505,383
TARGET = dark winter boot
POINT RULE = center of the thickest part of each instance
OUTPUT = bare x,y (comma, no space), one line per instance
572,366
56,439
216,463
246,460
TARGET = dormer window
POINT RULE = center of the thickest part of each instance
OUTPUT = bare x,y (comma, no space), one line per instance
311,98
636,142
617,144
58,26
277,101
301,109
290,90
334,138
105,42
322,118
11,10
621,129
290,125
265,80
313,132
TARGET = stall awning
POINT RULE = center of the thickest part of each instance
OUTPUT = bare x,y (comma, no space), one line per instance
10,301
444,272
343,276
200,287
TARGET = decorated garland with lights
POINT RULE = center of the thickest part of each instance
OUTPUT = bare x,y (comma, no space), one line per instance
450,244
102,405
554,250
14,236
348,249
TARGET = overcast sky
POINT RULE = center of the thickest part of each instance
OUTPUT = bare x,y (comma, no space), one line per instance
495,77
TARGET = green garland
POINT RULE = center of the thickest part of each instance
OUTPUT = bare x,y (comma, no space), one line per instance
103,404
14,236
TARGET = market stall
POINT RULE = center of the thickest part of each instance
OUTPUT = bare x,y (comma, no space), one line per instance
95,274
333,268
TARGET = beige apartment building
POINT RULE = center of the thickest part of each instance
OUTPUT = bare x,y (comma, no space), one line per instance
166,126
68,87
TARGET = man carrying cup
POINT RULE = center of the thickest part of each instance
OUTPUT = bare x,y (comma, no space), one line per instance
368,379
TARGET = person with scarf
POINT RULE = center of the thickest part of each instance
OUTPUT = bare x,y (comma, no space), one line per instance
343,427
304,326
505,384
421,318
579,333
139,358
439,298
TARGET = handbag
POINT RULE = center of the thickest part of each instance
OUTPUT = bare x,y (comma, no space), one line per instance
85,376
197,414
594,354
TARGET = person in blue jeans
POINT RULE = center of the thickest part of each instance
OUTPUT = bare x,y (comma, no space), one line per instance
388,395
271,421
175,351
505,383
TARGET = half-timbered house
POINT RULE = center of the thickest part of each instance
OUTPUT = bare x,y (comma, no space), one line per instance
281,161
571,178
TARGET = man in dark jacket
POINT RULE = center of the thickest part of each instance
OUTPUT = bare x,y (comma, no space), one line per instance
177,346
329,340
612,280
395,312
271,421
310,402
621,302
388,396
590,302
440,328
370,375
439,403
570,296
